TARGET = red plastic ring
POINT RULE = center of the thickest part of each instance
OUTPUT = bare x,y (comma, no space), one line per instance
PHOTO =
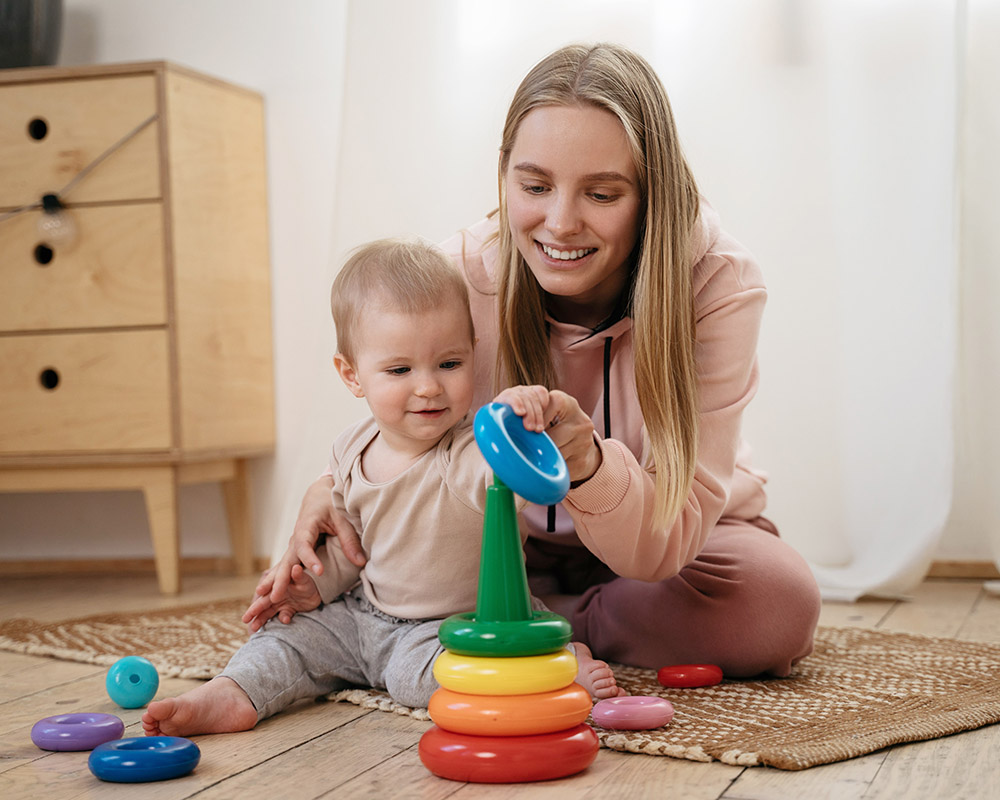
508,759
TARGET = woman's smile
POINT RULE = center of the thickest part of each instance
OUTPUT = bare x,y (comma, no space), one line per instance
566,255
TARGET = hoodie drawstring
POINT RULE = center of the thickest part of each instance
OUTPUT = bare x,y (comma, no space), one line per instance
607,387
551,521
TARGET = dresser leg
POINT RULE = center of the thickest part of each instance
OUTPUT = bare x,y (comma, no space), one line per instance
236,492
160,491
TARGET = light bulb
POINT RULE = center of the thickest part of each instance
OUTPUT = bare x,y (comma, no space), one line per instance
56,226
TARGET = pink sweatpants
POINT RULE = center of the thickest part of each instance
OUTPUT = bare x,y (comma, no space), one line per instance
748,603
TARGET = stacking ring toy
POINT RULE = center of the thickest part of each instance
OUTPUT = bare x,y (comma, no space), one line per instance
466,635
633,713
132,681
510,715
526,461
76,731
145,758
507,759
689,676
528,675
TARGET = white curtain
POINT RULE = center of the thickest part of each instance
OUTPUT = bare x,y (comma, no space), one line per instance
976,509
823,131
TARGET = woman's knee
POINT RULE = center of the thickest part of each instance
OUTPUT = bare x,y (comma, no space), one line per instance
778,603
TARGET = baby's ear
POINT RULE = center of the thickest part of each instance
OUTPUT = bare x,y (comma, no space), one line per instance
349,375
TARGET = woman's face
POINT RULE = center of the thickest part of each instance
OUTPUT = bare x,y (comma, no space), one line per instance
574,206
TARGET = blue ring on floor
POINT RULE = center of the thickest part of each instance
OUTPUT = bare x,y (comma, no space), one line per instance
144,758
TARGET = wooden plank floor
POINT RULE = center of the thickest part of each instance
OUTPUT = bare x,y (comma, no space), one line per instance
338,750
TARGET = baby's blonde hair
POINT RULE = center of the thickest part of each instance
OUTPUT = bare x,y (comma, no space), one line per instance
403,275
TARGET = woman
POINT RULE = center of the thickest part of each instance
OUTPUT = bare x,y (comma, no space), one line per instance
605,275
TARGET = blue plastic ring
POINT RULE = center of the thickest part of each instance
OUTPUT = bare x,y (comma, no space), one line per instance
144,758
528,462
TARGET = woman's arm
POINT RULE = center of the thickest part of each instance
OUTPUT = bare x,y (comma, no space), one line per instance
317,516
613,511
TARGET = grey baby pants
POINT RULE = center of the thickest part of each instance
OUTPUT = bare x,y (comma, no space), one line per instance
344,643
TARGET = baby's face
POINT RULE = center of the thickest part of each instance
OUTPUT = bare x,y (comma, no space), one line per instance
416,372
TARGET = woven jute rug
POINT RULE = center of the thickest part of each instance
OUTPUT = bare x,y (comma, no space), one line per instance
860,691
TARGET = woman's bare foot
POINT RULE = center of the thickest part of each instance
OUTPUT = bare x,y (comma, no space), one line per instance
219,706
594,675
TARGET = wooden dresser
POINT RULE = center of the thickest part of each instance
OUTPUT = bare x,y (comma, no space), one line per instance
136,355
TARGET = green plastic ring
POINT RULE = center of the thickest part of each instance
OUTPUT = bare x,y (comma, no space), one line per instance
544,633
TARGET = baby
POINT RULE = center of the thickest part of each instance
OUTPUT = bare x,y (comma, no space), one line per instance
411,480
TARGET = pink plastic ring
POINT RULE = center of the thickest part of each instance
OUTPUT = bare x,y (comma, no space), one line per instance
76,731
634,713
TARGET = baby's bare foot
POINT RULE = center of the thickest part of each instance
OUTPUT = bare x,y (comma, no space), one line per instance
219,706
594,675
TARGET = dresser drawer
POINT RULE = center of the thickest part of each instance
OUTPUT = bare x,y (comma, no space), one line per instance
50,131
69,393
112,276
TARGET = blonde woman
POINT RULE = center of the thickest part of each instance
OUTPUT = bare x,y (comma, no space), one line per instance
604,274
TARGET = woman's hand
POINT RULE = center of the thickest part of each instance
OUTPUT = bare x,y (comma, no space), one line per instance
301,595
317,516
560,415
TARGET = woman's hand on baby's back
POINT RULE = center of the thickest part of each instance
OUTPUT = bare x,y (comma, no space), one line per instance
317,517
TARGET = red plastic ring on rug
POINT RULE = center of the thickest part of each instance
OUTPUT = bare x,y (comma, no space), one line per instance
508,759
510,715
689,676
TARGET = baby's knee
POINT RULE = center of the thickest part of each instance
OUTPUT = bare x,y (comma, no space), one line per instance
411,688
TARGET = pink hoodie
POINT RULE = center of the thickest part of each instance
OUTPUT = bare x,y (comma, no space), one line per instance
611,513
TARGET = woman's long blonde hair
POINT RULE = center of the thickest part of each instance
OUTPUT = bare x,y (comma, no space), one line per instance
615,79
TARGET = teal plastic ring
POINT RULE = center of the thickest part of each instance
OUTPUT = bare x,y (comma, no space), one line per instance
544,633
528,462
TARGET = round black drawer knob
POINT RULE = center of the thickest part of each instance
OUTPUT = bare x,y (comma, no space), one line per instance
38,129
44,255
49,378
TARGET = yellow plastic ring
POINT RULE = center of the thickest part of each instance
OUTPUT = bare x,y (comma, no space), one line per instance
510,715
501,676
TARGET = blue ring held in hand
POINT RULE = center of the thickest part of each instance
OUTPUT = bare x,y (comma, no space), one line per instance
144,758
528,462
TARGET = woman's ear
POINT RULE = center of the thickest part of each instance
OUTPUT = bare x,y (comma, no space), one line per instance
348,374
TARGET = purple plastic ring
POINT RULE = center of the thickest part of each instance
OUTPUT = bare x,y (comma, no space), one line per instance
76,731
633,713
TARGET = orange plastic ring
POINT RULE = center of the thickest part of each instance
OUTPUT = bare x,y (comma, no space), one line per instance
510,715
508,759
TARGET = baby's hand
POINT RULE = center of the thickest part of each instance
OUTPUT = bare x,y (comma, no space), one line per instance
301,595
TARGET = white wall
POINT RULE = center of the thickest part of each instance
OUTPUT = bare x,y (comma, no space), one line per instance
823,132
